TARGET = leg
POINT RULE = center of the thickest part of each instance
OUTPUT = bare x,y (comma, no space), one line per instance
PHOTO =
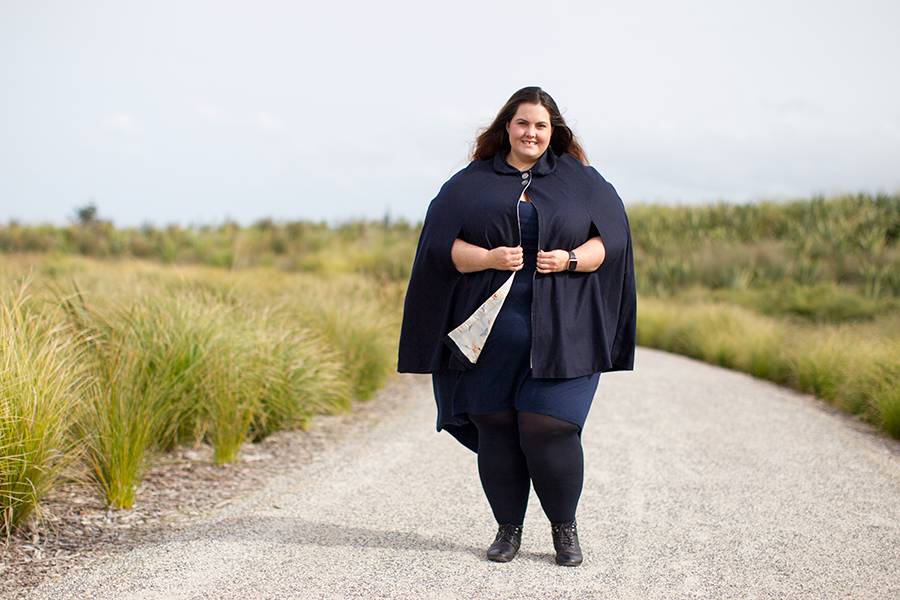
555,462
502,466
504,477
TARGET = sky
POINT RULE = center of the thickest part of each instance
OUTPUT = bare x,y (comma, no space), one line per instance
197,112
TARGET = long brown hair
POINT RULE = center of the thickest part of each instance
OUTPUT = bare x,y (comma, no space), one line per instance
494,138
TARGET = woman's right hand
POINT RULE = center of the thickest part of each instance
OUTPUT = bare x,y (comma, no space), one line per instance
469,258
504,258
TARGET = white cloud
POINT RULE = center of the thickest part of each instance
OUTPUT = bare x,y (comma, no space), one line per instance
263,121
208,112
121,123
269,124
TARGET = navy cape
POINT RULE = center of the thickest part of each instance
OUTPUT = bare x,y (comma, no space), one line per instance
583,323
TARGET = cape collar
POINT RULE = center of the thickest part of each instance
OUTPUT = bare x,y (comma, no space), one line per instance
545,165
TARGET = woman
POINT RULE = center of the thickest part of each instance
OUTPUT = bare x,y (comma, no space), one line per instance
521,294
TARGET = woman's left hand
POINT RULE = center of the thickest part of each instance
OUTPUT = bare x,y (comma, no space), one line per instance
553,261
590,256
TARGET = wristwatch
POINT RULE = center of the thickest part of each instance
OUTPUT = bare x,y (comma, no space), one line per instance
573,261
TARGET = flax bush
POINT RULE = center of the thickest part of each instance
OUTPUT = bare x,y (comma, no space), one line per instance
851,241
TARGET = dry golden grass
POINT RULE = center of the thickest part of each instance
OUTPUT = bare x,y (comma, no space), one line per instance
855,367
178,354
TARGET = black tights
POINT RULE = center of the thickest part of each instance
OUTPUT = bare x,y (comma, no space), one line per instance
516,448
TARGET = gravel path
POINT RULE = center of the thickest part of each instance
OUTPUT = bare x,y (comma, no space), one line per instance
701,483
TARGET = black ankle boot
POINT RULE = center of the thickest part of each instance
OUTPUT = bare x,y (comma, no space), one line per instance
565,540
506,544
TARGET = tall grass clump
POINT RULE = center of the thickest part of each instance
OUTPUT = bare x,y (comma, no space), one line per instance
189,360
119,424
168,370
161,356
886,397
352,315
40,385
852,369
145,353
230,398
297,374
266,373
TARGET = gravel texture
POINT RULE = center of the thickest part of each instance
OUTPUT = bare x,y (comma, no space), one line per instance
700,483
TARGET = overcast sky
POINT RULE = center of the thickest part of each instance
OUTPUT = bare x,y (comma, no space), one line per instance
198,111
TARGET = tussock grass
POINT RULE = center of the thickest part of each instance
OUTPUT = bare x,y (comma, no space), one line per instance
851,241
298,372
804,293
343,312
165,356
854,368
41,383
728,336
146,351
383,250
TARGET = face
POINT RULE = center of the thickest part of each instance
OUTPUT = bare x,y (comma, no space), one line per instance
529,135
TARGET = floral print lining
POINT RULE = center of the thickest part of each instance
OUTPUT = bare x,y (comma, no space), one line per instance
471,336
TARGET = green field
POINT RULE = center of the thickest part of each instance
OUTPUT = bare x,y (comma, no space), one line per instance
119,344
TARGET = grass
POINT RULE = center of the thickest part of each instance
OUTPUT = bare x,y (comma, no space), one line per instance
169,356
804,293
849,241
127,343
380,249
855,367
146,350
41,382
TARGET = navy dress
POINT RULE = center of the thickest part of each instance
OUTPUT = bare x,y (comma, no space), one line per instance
501,379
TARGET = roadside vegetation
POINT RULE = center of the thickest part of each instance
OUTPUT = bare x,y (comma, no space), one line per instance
805,293
382,250
104,364
119,344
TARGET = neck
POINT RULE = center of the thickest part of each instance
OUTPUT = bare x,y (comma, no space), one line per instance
518,165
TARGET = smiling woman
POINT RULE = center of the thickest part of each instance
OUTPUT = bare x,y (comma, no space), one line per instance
529,135
497,136
521,294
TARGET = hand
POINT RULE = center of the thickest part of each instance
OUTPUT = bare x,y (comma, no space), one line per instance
504,258
554,261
